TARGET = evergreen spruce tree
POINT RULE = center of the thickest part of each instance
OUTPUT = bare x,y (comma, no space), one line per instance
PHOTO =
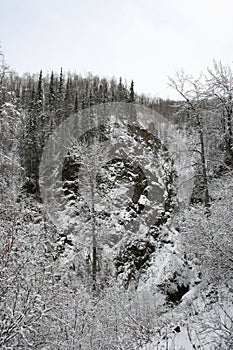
39,95
60,100
51,105
52,96
68,99
61,84
42,118
101,93
76,104
132,94
120,91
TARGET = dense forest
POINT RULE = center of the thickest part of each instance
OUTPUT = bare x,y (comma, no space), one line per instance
156,274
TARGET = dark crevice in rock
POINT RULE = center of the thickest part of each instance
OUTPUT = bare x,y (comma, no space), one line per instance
133,258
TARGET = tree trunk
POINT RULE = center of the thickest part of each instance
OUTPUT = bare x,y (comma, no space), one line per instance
94,267
204,170
229,146
94,238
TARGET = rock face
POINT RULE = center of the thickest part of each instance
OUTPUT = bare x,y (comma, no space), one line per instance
149,196
128,168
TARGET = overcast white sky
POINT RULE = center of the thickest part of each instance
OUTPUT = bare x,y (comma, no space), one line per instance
144,40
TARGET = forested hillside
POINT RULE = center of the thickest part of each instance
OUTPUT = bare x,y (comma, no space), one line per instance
138,253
